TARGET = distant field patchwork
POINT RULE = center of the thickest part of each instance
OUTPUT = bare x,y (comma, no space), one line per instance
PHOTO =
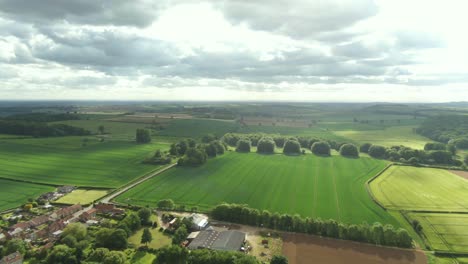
14,194
106,164
326,187
444,232
412,188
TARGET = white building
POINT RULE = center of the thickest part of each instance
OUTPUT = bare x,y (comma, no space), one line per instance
199,222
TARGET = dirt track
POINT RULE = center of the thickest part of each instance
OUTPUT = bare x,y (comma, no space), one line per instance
463,174
304,249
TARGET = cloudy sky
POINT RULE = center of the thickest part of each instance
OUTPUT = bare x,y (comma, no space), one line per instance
301,50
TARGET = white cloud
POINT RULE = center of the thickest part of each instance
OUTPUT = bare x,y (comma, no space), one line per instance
339,50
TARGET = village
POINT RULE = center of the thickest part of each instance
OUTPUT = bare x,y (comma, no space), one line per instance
41,227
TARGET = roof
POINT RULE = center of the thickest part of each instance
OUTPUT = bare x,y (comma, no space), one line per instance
199,220
193,235
229,240
204,240
12,258
225,240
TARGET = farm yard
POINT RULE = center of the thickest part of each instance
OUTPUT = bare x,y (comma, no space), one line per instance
100,164
412,188
14,194
444,232
326,187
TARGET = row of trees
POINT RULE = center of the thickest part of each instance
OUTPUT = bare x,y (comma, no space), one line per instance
413,156
159,158
193,154
452,129
374,234
37,129
179,255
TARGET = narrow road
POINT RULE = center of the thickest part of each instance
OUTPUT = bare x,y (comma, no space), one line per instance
109,197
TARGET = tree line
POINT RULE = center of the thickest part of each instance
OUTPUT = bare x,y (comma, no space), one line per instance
266,144
451,129
38,129
378,234
432,155
191,153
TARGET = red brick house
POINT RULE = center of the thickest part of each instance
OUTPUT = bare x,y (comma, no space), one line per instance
88,215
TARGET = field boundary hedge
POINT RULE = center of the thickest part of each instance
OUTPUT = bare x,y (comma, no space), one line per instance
368,189
31,182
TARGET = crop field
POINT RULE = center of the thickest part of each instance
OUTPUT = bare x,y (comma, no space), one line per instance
82,196
114,130
392,136
102,164
444,232
196,128
13,194
326,187
412,188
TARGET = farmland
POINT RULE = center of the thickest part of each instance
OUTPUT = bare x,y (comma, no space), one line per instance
13,194
444,232
412,188
326,187
98,164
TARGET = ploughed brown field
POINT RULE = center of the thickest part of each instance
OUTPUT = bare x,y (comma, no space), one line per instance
306,249
463,174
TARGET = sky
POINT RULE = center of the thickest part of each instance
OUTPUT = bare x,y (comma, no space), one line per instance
263,50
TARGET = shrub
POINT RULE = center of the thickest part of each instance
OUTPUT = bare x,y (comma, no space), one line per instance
378,152
321,148
349,150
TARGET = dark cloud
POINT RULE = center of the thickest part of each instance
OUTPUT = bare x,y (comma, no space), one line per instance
103,48
138,13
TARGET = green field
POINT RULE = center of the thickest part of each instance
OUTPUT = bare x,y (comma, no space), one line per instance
82,197
392,136
444,232
412,188
14,194
63,161
326,187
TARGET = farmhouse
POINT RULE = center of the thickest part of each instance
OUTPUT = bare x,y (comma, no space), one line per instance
199,221
230,240
104,208
14,258
88,215
67,211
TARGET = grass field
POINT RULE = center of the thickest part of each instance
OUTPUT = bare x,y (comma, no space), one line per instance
54,161
444,232
159,239
392,136
412,188
196,128
82,197
141,257
14,194
326,187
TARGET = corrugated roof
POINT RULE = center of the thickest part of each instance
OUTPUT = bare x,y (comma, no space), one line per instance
225,240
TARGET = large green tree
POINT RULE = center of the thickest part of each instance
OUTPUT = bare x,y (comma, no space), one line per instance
243,145
143,136
321,148
349,150
279,260
292,146
146,237
266,145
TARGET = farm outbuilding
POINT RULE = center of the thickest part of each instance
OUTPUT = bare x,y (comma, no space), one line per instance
199,222
230,240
